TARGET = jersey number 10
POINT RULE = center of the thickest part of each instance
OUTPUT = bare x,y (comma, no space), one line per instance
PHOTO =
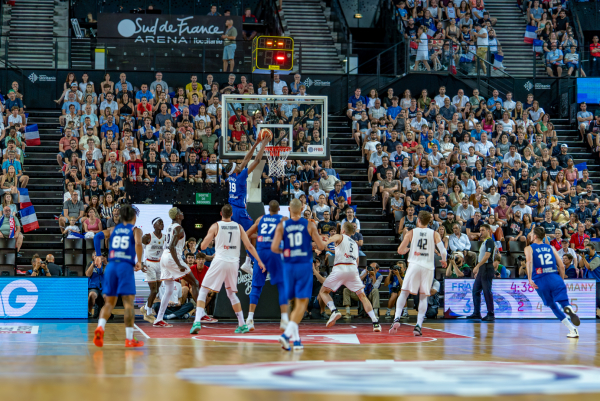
295,239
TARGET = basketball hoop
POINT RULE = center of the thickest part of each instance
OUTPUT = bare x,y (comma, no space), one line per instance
277,155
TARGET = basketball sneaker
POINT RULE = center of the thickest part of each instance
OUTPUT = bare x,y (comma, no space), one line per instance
250,324
241,329
298,346
377,327
161,323
247,266
573,334
285,342
395,326
99,337
333,318
196,327
208,319
574,318
283,325
147,314
417,331
133,343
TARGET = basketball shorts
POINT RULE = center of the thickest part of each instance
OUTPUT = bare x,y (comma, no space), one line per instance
339,277
298,280
169,269
418,279
119,279
152,270
222,272
240,215
274,265
551,288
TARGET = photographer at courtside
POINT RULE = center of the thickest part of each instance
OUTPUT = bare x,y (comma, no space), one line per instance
457,268
372,280
394,283
591,260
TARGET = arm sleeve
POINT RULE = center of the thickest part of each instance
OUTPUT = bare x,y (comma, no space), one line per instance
377,282
98,238
442,249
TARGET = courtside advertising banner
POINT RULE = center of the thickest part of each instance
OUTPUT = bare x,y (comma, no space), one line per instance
43,298
516,299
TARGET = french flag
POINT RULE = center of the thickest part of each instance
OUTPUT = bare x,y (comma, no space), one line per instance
29,220
348,189
430,32
24,198
530,34
498,61
32,135
538,46
580,167
175,111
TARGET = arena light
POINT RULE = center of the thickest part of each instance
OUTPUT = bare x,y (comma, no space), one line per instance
358,15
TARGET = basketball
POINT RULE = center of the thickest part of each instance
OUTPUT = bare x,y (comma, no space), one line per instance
265,132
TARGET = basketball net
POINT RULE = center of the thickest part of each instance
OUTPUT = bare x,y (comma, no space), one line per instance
277,155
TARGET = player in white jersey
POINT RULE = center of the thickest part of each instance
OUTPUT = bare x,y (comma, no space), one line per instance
172,267
345,272
154,243
421,268
228,236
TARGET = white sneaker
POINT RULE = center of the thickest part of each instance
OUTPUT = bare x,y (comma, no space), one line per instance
395,326
250,324
405,313
573,334
332,319
247,266
283,325
147,314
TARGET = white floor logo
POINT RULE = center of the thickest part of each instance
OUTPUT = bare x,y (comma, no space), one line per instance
25,303
452,378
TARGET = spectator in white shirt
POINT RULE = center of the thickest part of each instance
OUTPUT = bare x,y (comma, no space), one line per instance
278,85
482,148
110,103
509,104
511,156
459,101
439,99
464,212
522,207
375,161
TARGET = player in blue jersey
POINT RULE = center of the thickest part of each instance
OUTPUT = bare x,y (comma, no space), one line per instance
545,271
238,191
264,228
124,246
297,234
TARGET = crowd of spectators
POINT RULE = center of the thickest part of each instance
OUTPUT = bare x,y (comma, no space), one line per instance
117,132
13,122
476,161
447,34
553,27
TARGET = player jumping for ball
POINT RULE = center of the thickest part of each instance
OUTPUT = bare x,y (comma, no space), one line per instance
421,268
228,236
119,280
238,192
545,271
345,272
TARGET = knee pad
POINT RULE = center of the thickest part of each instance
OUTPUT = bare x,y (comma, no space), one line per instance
202,294
232,296
282,294
255,294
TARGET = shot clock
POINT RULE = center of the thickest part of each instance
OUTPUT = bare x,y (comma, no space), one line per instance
516,299
272,53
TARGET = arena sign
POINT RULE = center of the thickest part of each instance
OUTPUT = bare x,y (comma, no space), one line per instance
165,29
402,378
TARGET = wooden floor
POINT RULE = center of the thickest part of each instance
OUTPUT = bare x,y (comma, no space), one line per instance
57,361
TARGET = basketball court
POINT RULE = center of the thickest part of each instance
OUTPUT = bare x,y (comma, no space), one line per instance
516,359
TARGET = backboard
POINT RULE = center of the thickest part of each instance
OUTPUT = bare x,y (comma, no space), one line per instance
305,117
